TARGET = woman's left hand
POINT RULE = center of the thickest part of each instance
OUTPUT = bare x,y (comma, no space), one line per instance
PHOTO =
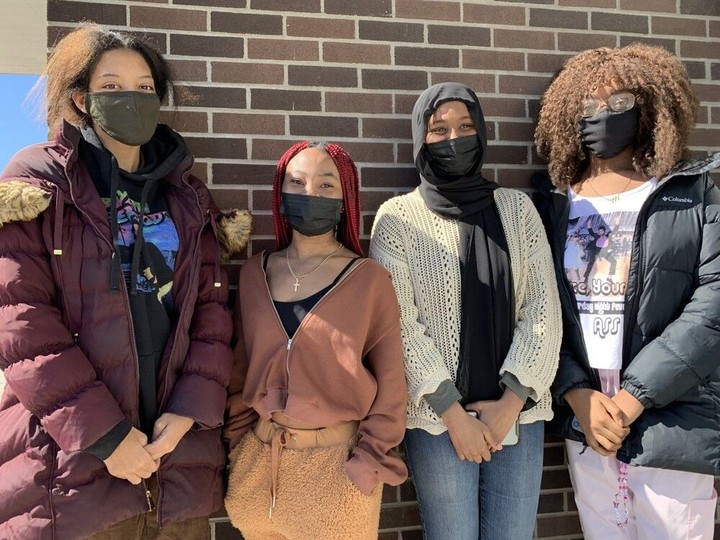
499,415
167,432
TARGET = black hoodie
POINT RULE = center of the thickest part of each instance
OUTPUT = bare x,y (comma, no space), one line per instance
146,246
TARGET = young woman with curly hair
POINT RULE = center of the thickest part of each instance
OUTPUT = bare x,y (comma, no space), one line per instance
639,375
317,397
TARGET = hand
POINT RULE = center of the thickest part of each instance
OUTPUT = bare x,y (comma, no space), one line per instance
629,405
167,432
602,421
470,437
498,415
130,461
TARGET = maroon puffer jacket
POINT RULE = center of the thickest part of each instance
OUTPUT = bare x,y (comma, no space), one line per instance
68,354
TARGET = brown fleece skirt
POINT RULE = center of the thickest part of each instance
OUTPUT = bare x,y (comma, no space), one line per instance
314,498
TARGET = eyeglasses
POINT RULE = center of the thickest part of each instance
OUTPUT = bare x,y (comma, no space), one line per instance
620,102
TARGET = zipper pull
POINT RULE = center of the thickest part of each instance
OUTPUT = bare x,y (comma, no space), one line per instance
289,344
150,504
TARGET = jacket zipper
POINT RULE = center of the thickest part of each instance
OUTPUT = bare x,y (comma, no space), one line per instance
639,238
288,349
148,497
123,286
632,309
53,467
133,347
193,273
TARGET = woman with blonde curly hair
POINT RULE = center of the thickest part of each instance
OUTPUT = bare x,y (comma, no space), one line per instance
639,375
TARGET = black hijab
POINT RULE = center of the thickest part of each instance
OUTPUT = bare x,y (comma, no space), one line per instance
487,314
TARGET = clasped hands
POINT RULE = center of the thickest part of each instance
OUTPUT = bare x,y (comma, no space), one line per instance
474,439
605,421
134,459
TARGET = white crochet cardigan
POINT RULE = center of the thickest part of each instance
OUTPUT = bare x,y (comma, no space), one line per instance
420,249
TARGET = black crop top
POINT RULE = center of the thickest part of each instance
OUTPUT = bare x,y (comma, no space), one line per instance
292,313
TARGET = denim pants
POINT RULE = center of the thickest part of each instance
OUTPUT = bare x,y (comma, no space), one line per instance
462,500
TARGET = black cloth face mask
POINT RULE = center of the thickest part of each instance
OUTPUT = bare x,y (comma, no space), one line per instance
453,158
608,133
128,117
311,216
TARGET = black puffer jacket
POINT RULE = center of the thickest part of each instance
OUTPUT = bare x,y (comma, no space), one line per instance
671,348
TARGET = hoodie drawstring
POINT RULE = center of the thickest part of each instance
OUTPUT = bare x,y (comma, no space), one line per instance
139,238
116,269
218,268
58,229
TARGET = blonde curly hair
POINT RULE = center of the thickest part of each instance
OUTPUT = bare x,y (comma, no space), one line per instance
664,96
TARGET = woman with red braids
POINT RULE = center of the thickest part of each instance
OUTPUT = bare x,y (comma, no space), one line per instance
317,397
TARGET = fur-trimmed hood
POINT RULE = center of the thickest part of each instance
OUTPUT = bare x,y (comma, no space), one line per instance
234,230
22,200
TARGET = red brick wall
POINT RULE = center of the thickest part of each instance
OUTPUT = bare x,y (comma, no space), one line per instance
256,75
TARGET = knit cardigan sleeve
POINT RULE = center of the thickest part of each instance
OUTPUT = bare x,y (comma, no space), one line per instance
534,351
425,368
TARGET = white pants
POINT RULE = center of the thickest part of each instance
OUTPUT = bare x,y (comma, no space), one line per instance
662,504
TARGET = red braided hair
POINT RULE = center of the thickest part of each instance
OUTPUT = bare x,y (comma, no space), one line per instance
349,228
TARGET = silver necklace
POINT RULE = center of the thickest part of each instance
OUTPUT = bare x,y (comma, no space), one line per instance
296,285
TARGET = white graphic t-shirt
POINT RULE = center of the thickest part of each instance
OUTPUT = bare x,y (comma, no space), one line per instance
597,257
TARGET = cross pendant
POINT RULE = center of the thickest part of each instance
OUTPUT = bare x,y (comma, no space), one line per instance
296,285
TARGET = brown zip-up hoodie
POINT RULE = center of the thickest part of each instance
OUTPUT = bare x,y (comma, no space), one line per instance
344,363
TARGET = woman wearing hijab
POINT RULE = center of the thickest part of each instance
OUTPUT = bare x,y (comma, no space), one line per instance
480,323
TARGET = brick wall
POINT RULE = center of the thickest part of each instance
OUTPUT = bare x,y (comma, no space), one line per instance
256,75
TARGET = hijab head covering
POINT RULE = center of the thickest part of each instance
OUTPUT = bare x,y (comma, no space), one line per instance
450,197
425,107
487,315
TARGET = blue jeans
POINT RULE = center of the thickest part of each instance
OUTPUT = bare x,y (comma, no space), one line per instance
461,500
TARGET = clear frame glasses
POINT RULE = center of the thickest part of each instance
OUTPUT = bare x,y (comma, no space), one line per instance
619,102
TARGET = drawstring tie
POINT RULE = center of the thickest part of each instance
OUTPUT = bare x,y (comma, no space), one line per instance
218,268
58,229
116,269
139,238
277,444
281,437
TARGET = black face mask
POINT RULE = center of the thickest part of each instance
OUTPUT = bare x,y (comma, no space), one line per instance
129,117
608,132
310,215
455,157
